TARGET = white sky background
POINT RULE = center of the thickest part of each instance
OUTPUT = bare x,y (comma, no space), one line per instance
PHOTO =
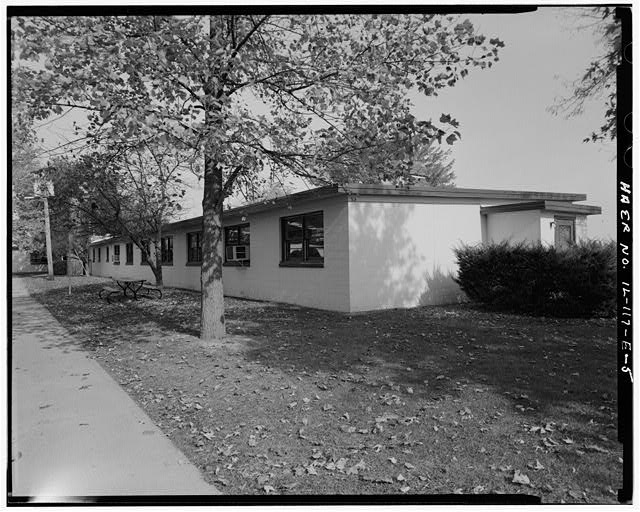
509,138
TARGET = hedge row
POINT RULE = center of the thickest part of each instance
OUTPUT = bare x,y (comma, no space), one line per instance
539,280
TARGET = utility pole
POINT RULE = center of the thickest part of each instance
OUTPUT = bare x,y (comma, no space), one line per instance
47,231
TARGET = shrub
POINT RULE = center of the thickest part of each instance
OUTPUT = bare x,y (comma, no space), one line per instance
539,280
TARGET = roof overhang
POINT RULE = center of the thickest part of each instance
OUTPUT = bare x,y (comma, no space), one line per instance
551,206
542,200
479,194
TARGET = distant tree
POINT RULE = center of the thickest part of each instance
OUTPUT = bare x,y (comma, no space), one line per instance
599,79
433,166
28,227
27,219
129,193
322,96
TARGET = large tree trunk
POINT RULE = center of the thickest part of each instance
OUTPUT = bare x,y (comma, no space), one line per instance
212,297
212,305
157,273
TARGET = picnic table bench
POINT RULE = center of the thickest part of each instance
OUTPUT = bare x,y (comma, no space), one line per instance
109,290
149,288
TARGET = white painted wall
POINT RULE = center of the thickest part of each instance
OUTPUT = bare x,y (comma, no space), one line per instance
105,268
516,227
547,228
401,254
181,275
324,288
581,228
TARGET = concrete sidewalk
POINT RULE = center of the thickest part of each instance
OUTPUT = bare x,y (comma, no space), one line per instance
74,431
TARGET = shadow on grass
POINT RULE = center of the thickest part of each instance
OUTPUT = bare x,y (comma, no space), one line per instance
538,364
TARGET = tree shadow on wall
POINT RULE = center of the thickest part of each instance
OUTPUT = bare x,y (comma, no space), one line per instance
440,288
384,257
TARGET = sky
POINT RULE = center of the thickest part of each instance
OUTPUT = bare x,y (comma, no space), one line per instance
510,140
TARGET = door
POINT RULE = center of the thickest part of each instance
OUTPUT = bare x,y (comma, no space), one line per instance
564,233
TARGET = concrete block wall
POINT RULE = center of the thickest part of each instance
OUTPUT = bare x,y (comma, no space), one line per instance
324,288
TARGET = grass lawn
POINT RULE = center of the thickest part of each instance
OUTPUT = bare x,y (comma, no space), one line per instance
427,400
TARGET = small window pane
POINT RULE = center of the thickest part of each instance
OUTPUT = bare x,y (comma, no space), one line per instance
166,250
315,251
314,229
194,253
293,228
294,251
241,252
232,236
244,235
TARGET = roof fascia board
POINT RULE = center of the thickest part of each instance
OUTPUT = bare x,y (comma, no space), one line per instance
284,201
466,193
550,206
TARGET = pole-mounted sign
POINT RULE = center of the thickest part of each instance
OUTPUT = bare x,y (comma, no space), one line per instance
43,188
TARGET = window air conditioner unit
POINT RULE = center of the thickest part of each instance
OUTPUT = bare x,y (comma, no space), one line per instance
238,253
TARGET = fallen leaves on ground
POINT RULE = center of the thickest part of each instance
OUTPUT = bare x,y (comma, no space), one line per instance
426,400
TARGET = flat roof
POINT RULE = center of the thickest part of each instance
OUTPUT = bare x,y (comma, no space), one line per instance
554,206
458,193
382,190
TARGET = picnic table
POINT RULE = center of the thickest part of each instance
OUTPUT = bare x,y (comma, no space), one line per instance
127,286
132,285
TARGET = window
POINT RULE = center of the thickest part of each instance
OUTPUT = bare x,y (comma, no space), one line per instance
143,254
93,255
38,258
116,255
107,258
194,247
99,254
303,240
236,245
129,249
564,232
166,250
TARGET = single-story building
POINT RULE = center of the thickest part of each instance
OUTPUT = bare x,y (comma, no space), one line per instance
354,247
